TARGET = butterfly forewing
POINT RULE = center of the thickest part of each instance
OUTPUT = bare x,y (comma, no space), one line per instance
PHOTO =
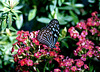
49,35
54,27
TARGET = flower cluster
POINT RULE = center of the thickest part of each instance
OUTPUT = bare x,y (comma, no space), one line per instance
87,33
29,54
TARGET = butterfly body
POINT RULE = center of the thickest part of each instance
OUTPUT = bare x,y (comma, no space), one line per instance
49,34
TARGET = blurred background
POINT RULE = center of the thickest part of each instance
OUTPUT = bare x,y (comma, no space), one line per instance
32,15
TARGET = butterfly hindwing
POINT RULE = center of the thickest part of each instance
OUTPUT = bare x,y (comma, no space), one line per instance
45,37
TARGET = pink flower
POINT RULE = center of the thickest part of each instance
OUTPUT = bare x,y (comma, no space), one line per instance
84,33
90,53
26,48
57,70
94,24
44,52
85,66
79,48
52,53
37,55
71,29
98,33
81,38
75,53
12,49
16,57
20,51
22,62
90,47
61,64
66,70
81,25
83,57
79,63
68,63
89,23
90,19
57,59
74,34
25,71
93,31
94,13
35,41
61,56
98,48
29,62
74,68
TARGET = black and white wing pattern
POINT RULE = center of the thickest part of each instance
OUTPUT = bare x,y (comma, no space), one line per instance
49,34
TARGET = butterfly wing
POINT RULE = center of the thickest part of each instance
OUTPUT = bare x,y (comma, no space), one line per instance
54,27
49,34
45,37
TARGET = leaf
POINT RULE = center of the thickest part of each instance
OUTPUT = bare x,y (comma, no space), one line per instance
18,7
77,11
60,2
54,3
67,3
68,18
10,19
61,19
43,20
13,29
79,5
4,25
32,14
64,43
66,8
75,18
51,8
19,22
15,13
90,67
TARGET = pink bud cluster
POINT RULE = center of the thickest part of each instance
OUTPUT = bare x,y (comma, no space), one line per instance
86,32
29,54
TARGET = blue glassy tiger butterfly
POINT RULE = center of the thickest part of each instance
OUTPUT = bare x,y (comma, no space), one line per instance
49,34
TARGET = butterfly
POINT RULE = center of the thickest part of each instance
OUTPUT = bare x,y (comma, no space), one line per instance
49,35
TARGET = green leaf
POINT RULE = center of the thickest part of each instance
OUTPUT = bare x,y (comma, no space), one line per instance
54,3
43,20
4,25
15,13
13,29
10,19
66,8
68,18
32,14
51,8
19,21
77,11
66,45
79,5
75,18
90,67
60,2
18,7
67,3
61,19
